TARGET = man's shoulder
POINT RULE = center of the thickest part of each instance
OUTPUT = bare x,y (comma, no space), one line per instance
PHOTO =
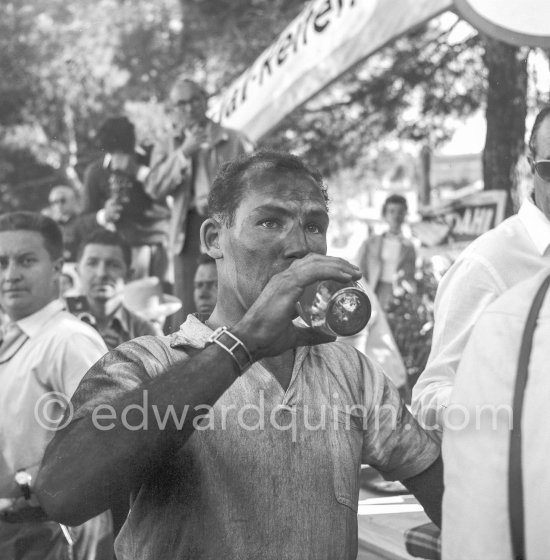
65,326
375,238
517,300
496,249
492,240
156,352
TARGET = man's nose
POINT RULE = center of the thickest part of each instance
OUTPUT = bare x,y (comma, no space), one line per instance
297,245
101,269
203,292
12,271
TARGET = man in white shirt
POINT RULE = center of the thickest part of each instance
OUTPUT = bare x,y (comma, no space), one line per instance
514,251
44,353
476,519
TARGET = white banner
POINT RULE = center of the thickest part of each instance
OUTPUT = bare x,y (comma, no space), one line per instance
327,38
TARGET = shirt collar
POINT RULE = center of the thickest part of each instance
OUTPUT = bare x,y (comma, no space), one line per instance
32,324
191,333
536,224
389,235
121,317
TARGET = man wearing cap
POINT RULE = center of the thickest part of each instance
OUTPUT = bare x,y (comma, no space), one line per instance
514,251
251,436
103,267
183,165
114,190
44,354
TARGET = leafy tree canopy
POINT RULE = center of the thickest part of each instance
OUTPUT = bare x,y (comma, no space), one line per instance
68,64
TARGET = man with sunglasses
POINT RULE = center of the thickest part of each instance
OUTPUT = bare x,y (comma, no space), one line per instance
183,166
514,251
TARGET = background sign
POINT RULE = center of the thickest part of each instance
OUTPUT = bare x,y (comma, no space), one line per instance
462,220
325,40
520,22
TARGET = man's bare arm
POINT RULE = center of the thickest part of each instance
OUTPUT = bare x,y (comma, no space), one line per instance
85,467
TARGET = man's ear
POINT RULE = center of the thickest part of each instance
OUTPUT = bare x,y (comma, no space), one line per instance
210,238
531,163
58,265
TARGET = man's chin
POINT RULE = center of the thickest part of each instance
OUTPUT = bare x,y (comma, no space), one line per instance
205,310
103,293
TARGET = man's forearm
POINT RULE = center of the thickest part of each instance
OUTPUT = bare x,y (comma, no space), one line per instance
85,466
427,488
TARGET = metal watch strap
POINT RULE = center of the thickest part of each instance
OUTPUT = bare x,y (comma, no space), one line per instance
232,345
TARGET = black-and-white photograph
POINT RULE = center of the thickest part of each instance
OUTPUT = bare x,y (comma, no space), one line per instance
274,279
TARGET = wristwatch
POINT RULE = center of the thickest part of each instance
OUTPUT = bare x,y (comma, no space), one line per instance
23,479
231,344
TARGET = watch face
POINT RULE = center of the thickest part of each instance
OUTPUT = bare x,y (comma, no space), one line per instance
23,478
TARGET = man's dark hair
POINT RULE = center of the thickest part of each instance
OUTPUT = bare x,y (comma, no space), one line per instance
540,118
117,134
106,237
394,199
205,259
33,221
229,185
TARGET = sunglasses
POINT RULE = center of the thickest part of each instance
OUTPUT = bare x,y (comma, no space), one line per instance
181,103
542,169
58,201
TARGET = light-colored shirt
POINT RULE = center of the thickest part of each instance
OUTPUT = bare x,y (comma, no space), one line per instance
390,255
514,251
35,387
269,474
475,451
37,383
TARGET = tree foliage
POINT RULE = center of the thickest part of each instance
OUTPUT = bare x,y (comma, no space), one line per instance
221,38
68,64
413,89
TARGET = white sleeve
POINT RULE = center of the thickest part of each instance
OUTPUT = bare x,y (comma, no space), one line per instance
469,286
73,356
